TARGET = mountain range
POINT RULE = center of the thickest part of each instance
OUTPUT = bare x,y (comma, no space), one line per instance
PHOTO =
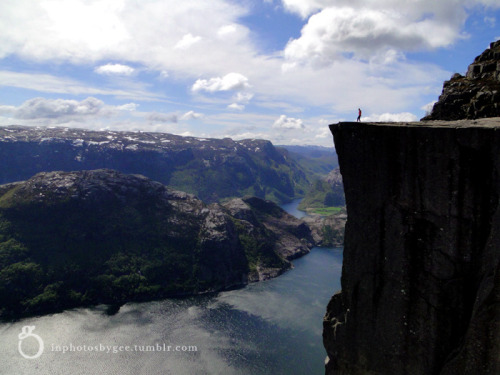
212,169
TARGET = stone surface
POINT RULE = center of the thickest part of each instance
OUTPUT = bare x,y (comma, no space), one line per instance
421,272
336,223
475,95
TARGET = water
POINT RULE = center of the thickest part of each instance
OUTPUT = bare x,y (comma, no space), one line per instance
272,327
291,208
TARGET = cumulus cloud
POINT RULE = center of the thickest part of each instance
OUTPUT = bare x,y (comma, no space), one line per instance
162,117
284,122
114,69
391,117
146,33
363,29
187,41
227,30
231,81
336,31
41,108
191,115
305,7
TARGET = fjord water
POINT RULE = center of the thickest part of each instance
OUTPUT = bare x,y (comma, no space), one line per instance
271,327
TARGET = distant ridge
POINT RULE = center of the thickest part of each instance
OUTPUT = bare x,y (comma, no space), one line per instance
212,169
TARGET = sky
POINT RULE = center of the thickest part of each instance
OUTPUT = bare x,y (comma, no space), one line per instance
280,70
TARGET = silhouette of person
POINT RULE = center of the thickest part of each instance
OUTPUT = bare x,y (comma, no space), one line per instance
359,115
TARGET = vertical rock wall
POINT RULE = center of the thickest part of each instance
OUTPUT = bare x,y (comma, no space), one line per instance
421,277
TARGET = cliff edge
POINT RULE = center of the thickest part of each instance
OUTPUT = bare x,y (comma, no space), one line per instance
421,272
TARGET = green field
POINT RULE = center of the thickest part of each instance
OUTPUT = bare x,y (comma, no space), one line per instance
325,211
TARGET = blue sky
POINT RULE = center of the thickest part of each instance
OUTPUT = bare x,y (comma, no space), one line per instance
275,69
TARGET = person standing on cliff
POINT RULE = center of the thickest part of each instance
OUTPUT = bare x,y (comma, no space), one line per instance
359,115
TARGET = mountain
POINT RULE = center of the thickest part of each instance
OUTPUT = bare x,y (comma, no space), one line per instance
325,192
317,161
77,238
212,169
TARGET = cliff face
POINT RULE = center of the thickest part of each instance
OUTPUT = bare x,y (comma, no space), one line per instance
421,273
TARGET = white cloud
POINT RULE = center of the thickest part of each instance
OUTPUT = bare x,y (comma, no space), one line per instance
231,81
324,133
144,33
128,107
187,41
47,83
162,117
304,7
190,115
284,122
428,107
243,97
391,117
56,108
7,109
227,30
236,106
46,111
336,31
118,69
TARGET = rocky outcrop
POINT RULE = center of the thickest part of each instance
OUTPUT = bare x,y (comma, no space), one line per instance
212,169
259,219
76,238
477,95
421,271
327,230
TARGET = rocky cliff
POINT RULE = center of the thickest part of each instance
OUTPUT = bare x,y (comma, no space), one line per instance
76,238
475,95
421,272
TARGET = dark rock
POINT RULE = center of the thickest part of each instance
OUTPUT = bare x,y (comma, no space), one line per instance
421,272
294,236
476,94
